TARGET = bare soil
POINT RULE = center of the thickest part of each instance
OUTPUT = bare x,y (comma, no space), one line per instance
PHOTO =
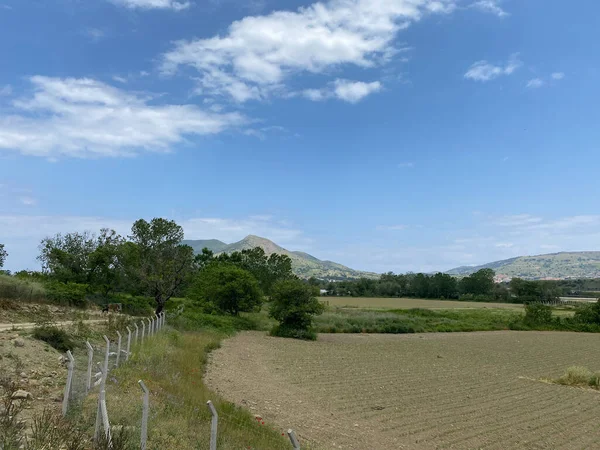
432,391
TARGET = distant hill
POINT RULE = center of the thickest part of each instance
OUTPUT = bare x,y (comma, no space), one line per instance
303,264
554,265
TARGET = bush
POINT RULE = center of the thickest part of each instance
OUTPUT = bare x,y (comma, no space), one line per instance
18,289
54,336
588,313
538,313
293,305
576,376
227,289
72,294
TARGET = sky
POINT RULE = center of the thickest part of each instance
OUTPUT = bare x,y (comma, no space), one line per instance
386,135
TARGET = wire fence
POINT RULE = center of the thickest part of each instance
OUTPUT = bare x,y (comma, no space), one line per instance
88,373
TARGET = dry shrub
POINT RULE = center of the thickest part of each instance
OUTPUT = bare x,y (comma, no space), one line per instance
576,376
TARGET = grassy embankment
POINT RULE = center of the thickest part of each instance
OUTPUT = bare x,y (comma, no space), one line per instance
172,366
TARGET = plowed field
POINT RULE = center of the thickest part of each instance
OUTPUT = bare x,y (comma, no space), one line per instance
446,391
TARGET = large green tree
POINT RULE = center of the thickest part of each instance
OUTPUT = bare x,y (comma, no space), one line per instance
478,283
156,260
294,303
3,255
66,257
226,288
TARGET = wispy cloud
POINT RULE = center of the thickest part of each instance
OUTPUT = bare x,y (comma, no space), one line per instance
406,165
485,71
153,4
6,90
87,118
535,83
95,34
120,79
258,54
558,75
490,6
391,227
28,201
346,90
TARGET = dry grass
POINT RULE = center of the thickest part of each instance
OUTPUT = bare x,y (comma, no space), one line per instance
172,366
410,303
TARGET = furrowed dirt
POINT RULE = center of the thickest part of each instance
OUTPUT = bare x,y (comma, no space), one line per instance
432,391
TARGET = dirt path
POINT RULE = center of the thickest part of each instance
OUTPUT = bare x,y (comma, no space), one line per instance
429,391
30,325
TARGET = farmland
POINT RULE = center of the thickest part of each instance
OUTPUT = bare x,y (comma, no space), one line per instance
409,303
415,391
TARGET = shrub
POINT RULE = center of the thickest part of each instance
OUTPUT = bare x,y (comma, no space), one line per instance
538,313
72,294
54,336
227,289
577,376
588,313
293,305
18,289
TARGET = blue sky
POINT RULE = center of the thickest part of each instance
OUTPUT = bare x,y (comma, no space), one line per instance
383,134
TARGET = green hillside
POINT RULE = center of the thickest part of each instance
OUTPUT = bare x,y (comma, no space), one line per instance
554,265
303,264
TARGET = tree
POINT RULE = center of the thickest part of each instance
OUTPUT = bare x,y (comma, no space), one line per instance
156,260
478,283
66,257
293,305
3,255
227,289
106,269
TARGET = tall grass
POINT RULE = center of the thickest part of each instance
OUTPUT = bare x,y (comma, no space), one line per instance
172,366
12,288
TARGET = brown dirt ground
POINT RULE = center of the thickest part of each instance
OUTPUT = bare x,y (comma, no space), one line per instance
432,391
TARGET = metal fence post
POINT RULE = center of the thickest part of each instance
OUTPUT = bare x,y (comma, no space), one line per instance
149,326
146,406
105,368
88,381
293,439
164,318
213,425
128,344
65,406
105,421
156,323
118,349
143,331
137,330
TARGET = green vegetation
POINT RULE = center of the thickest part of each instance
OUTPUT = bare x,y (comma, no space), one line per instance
3,255
13,288
54,336
179,418
537,314
227,289
580,376
554,265
293,305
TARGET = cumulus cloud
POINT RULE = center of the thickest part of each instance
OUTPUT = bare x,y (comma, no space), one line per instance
153,4
485,71
87,118
346,90
535,83
490,6
257,54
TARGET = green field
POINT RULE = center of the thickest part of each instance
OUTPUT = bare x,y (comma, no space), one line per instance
410,303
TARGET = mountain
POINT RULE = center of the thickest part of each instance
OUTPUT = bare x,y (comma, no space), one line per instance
554,265
303,264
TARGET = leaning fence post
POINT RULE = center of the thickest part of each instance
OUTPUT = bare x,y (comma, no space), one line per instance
105,368
67,394
143,332
146,406
118,350
137,330
213,425
88,381
156,323
164,318
105,421
149,326
128,344
293,439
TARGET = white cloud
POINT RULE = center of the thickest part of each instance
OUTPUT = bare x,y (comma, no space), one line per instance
6,90
346,90
516,220
484,71
23,232
87,118
391,227
257,54
406,165
535,83
558,75
490,6
95,34
28,201
154,4
119,79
